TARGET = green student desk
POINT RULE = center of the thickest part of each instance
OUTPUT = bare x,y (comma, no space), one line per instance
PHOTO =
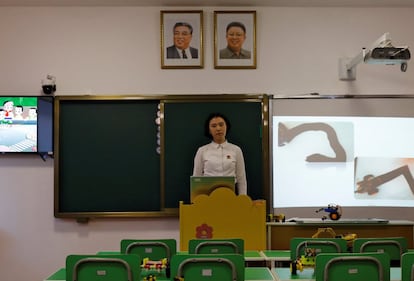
283,274
250,256
276,257
251,274
254,258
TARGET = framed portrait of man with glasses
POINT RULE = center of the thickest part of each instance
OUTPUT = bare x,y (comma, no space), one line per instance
234,39
182,39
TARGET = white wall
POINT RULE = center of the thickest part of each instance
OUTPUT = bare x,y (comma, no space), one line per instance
115,50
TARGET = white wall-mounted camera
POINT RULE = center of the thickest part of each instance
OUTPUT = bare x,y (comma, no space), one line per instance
49,84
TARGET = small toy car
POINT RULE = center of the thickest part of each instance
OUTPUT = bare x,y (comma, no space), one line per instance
335,212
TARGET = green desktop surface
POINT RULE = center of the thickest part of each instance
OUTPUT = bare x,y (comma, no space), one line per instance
277,255
258,273
249,255
283,274
276,258
251,274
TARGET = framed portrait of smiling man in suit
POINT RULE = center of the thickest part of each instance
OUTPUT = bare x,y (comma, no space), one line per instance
182,39
234,39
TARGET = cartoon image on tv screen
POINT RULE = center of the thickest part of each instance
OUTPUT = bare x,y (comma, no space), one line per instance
384,178
18,124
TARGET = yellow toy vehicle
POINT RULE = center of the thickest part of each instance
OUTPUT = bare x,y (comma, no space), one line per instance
307,260
329,232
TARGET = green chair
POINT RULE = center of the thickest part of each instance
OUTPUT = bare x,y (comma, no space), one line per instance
407,266
395,247
352,267
154,249
156,254
102,267
200,267
216,246
321,245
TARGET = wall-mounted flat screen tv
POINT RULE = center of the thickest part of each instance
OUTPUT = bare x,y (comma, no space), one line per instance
26,124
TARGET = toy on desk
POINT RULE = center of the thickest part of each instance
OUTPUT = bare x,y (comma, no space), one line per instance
329,232
276,218
306,260
324,232
349,238
150,278
158,265
335,212
155,267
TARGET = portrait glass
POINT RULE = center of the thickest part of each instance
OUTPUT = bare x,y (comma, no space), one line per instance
234,39
182,39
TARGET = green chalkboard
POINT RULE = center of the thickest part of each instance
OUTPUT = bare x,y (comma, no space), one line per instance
113,158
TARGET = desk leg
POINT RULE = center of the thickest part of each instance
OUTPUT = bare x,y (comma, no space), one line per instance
269,237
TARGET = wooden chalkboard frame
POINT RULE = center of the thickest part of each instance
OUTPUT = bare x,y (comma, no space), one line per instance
76,194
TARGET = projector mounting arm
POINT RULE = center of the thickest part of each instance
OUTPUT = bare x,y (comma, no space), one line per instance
381,52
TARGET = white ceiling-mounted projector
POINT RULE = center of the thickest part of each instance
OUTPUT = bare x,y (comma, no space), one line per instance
381,52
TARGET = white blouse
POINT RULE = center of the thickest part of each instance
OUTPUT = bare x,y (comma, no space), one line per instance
224,159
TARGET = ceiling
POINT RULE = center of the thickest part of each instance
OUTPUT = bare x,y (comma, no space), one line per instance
230,3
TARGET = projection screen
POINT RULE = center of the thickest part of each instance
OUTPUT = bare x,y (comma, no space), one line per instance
347,150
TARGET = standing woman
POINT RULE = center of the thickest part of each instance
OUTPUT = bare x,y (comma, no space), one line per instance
219,157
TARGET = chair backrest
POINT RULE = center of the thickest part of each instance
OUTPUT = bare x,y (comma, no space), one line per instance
153,249
352,267
298,246
407,266
216,246
102,267
220,267
393,246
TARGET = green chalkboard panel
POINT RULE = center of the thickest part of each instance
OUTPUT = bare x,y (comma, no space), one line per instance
113,160
184,133
107,159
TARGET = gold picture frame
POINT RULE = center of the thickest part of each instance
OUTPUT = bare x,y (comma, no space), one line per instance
237,49
182,31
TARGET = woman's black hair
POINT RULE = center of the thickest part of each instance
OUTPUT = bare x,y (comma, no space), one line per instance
207,123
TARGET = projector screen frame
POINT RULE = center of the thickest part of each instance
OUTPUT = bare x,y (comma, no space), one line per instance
278,102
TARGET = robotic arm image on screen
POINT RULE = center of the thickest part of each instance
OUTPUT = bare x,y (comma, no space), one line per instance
370,183
286,135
